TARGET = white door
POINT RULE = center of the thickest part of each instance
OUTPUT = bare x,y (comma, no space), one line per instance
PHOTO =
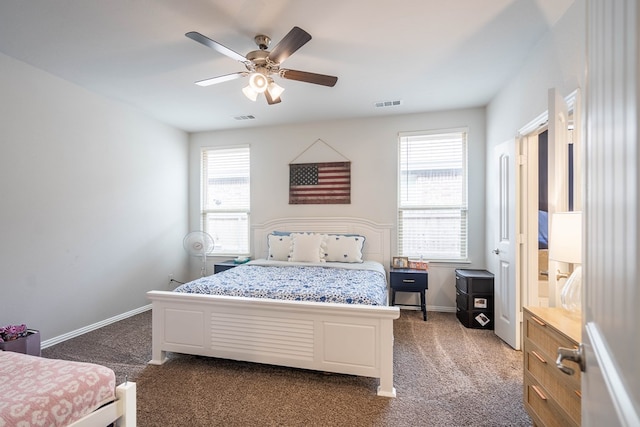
505,250
611,295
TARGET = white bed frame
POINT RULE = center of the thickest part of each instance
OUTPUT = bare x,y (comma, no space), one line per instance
122,411
341,338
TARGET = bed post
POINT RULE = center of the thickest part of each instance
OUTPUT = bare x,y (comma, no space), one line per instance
386,359
158,355
126,394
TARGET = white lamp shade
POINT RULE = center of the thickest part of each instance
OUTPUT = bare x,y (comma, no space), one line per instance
275,90
565,237
258,82
250,93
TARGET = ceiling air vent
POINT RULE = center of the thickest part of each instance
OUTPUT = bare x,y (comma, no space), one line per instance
382,104
249,117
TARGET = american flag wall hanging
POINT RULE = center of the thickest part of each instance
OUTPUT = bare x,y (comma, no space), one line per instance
320,183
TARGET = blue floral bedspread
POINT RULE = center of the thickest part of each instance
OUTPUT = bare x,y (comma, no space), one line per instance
296,283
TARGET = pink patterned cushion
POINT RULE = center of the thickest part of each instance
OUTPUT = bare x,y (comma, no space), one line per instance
35,391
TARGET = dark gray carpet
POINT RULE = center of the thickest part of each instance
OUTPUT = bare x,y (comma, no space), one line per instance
445,375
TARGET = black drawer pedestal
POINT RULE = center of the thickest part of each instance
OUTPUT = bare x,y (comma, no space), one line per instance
474,298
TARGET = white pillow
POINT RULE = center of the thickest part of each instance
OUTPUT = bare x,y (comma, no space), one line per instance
307,247
343,248
279,247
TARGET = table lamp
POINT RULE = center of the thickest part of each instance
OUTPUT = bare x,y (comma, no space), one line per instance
565,245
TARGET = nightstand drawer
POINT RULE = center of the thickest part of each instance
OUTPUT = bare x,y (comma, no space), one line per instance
408,281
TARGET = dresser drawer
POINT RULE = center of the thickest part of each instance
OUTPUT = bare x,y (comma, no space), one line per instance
564,389
408,281
542,409
551,397
548,340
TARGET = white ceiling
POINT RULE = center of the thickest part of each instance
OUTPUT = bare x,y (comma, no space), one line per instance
430,54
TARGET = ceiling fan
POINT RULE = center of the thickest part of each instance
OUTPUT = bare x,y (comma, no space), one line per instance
262,65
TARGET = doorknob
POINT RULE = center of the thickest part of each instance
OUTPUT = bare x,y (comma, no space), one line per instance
496,251
574,355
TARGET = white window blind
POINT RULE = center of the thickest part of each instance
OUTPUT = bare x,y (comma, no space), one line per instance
432,205
226,198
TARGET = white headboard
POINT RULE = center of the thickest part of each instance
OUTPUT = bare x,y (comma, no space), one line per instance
377,246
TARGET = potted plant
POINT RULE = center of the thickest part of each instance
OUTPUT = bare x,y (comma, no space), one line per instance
19,339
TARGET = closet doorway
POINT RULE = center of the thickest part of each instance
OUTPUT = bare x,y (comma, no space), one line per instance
546,188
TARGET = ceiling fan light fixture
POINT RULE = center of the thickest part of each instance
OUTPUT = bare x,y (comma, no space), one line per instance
262,64
275,90
250,93
258,82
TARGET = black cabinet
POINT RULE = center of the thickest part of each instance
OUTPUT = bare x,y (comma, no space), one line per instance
474,298
408,280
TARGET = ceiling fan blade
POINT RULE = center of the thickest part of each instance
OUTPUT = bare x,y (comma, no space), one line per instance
270,100
216,46
220,79
294,40
304,76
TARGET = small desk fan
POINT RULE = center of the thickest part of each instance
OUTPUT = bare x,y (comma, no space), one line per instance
199,243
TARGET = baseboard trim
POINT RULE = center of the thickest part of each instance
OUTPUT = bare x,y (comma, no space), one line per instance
439,308
93,327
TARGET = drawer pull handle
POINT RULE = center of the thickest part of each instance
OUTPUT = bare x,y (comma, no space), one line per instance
540,358
408,281
538,321
539,393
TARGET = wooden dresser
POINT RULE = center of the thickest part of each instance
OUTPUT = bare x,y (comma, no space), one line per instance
551,397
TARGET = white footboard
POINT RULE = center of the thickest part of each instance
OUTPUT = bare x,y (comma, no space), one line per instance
340,338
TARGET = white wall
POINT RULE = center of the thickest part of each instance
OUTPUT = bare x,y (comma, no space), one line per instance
371,146
558,61
93,203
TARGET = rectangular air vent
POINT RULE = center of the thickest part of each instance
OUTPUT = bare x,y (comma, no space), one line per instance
382,104
249,117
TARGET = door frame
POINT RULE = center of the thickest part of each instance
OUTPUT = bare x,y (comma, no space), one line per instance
528,206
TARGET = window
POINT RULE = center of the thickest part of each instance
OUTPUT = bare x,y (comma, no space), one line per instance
226,199
432,195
